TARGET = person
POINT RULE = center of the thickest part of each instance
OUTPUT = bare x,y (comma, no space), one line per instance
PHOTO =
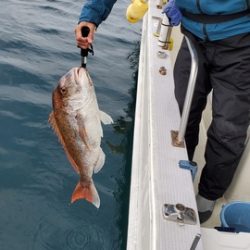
92,14
220,31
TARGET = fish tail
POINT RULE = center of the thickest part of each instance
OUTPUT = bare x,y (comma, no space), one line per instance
88,193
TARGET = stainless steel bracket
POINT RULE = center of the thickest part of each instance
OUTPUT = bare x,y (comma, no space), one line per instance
175,141
179,213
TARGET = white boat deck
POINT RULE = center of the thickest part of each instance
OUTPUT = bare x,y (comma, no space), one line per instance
156,177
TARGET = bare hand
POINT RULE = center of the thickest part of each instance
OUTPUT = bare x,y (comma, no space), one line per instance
84,42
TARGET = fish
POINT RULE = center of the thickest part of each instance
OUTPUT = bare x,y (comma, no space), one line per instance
76,120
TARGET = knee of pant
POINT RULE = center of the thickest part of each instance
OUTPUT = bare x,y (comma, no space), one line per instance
229,134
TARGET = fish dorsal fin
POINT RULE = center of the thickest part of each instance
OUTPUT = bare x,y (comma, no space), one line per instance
56,130
52,122
105,118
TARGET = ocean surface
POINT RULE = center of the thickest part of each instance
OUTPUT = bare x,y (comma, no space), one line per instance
37,47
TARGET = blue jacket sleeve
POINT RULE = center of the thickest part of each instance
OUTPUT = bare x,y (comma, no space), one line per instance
96,11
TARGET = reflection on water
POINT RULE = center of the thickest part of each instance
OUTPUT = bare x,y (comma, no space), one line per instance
125,123
124,126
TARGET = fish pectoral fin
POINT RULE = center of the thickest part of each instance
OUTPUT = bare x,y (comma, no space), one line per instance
82,130
100,162
88,193
105,118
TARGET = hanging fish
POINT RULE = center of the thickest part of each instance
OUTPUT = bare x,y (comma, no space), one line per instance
76,120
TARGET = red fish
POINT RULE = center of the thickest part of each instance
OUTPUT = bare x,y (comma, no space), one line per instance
76,120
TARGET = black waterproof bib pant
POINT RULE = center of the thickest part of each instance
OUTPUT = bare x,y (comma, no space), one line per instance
224,67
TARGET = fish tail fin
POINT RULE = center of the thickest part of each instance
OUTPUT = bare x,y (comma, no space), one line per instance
88,193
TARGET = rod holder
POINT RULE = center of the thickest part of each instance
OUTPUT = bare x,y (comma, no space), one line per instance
159,4
164,40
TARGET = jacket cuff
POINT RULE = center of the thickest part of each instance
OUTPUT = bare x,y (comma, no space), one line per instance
91,16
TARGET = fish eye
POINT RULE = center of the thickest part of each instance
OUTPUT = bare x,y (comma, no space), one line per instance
63,90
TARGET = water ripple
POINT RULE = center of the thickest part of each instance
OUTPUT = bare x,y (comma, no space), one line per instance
11,93
10,114
64,236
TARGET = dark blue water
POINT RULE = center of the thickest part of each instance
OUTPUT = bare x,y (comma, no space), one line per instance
37,46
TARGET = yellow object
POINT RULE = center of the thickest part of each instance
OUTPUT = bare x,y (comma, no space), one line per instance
171,44
136,10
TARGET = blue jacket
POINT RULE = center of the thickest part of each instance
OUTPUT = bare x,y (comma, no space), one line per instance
220,30
96,11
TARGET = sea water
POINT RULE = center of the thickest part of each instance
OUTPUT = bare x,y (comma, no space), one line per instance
37,47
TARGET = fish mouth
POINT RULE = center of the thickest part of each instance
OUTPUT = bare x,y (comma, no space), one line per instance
79,70
77,74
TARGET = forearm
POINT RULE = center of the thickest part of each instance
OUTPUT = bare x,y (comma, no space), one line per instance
96,11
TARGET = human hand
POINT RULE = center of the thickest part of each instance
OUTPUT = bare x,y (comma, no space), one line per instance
173,13
84,42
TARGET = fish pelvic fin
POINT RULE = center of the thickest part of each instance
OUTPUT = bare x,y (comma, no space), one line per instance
105,118
88,193
100,161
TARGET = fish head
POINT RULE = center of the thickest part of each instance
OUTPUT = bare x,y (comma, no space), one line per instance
74,82
75,85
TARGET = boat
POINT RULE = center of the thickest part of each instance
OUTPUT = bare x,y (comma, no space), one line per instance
162,211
